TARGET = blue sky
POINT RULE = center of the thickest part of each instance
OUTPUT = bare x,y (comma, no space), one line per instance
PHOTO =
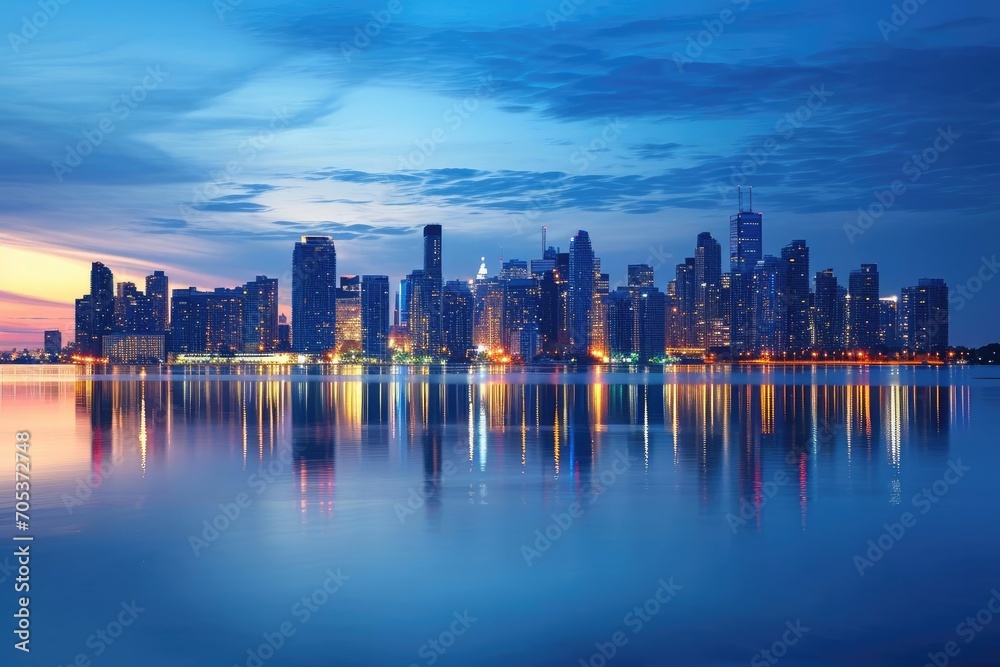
204,138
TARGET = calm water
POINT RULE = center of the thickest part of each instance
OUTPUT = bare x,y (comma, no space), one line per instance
683,518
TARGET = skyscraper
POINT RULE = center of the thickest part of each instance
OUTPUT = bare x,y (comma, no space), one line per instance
684,301
745,250
158,293
459,306
888,330
260,315
95,312
707,288
349,315
314,295
652,322
769,314
581,292
375,317
520,311
53,341
284,334
621,323
640,275
435,285
924,316
207,322
828,313
795,257
863,291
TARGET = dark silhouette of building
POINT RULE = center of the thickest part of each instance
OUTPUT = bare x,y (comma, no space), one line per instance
582,276
314,295
459,308
795,257
53,342
746,248
158,293
260,315
770,311
375,317
828,313
863,308
924,315
206,322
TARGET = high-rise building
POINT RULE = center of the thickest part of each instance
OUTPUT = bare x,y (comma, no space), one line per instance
102,305
620,306
651,339
707,292
581,292
520,311
795,257
459,309
863,325
924,316
640,275
828,313
53,341
599,313
375,317
260,315
745,250
206,322
314,295
158,293
769,315
133,348
514,268
349,315
684,302
402,318
435,286
133,310
888,330
84,325
549,311
284,334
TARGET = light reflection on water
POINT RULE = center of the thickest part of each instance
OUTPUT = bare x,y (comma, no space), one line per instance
754,489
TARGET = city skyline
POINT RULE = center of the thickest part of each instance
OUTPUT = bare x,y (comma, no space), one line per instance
564,307
633,122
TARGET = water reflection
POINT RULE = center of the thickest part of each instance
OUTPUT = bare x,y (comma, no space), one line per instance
724,440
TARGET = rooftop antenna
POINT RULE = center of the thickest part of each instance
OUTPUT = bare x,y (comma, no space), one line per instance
739,196
751,198
545,232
